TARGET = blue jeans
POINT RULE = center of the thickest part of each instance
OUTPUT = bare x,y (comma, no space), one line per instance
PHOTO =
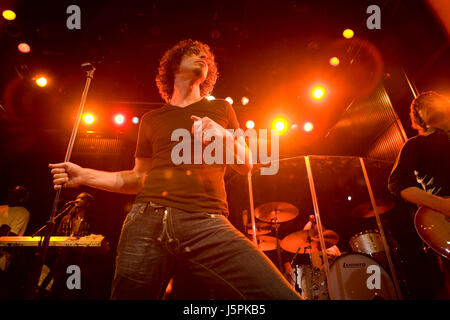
155,240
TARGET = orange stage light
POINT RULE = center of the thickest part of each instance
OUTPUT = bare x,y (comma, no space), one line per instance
89,118
280,125
9,15
250,124
318,93
24,47
334,61
245,101
41,81
348,33
119,119
210,98
308,127
230,101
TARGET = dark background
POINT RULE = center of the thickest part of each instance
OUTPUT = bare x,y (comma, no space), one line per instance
269,51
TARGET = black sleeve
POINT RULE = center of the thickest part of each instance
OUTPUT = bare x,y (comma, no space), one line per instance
144,143
402,175
231,116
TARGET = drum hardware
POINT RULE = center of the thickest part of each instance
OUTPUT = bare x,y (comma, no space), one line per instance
266,243
369,242
282,211
309,278
261,228
365,210
275,213
340,163
275,222
308,238
349,279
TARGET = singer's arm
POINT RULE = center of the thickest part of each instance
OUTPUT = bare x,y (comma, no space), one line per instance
68,174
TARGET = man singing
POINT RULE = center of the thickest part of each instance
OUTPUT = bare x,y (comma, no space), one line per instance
180,213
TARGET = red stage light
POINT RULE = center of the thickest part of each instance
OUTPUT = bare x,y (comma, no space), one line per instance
348,33
119,119
41,81
334,61
24,47
89,118
9,15
280,125
318,93
250,124
308,127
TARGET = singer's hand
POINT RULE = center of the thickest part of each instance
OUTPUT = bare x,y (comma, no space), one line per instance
66,175
208,127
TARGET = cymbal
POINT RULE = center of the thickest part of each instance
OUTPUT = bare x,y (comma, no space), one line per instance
299,239
261,228
365,210
282,211
267,243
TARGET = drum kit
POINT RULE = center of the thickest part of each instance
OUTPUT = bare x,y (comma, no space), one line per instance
349,273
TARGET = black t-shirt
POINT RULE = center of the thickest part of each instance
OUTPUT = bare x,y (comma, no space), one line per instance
423,162
189,187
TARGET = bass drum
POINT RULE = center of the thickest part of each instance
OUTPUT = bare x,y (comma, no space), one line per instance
355,276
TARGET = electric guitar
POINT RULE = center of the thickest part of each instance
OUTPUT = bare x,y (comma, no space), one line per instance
434,229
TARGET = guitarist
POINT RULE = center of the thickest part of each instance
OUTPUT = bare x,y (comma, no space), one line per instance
421,174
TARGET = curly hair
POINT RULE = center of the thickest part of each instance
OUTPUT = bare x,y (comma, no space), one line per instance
423,100
171,60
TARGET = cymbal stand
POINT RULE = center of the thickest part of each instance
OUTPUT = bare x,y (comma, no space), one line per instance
278,240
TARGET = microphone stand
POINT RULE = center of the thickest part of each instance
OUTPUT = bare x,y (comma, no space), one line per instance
41,252
64,211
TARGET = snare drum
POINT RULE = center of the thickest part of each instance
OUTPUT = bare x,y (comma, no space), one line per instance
312,282
369,242
355,276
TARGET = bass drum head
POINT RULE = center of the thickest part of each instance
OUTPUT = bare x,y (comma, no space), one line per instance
355,276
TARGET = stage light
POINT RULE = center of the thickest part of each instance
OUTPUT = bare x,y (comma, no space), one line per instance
294,126
334,61
89,118
349,198
308,127
9,15
41,81
280,125
119,119
250,124
210,98
348,33
135,120
230,101
318,93
24,47
245,101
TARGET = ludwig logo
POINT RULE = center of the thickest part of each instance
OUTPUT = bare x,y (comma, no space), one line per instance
354,265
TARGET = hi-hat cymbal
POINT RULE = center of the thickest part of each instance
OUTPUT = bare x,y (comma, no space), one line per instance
261,228
279,211
365,210
299,239
267,243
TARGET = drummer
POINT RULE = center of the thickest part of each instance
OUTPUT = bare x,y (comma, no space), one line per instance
332,252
